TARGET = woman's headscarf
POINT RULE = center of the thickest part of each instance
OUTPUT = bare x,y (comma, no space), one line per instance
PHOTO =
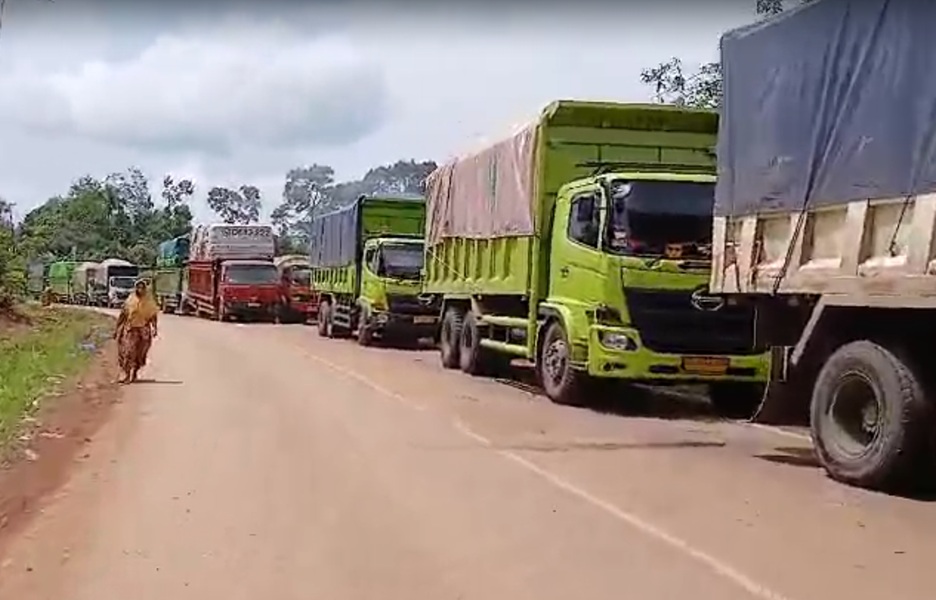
141,307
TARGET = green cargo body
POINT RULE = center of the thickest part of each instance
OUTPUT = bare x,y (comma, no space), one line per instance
516,282
573,140
60,279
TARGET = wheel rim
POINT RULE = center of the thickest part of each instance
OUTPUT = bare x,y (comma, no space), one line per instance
555,359
855,414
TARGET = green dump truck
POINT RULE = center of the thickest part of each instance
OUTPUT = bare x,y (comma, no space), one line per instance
60,280
583,244
168,276
366,263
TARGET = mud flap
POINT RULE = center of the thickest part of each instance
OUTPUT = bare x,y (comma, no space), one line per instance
786,400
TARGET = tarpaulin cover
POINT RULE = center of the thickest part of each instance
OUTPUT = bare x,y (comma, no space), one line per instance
485,195
174,251
831,102
334,237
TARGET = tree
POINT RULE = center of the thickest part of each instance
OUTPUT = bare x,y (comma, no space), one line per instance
404,177
176,214
702,89
240,206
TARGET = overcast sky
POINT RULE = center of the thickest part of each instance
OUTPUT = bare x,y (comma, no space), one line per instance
232,92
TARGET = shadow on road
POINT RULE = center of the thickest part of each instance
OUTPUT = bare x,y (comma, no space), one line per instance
616,398
158,381
792,456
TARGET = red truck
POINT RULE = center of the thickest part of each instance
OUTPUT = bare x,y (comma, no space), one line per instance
231,274
298,301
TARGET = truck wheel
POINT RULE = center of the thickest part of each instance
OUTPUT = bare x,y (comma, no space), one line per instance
365,337
324,316
736,399
472,358
869,417
450,338
562,384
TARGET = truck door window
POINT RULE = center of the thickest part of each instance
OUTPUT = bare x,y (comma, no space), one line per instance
369,259
584,220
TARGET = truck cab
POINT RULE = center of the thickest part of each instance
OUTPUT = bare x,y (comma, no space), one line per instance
247,288
118,288
628,270
298,301
391,297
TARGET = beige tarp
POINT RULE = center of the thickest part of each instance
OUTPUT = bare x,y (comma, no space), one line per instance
486,195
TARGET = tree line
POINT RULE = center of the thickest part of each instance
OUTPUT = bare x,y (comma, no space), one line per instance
117,216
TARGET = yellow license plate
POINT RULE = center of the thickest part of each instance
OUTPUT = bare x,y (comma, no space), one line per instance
706,365
420,320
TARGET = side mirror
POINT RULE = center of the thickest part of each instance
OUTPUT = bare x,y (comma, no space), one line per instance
585,209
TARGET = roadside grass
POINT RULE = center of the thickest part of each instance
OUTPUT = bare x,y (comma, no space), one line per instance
40,348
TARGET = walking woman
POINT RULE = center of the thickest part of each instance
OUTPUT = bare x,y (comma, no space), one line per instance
136,328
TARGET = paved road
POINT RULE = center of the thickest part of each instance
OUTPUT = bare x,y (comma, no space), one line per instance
263,462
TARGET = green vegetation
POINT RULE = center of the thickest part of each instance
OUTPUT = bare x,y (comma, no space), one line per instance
40,348
117,217
703,88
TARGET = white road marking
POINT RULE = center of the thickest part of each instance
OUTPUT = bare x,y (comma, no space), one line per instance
718,566
780,431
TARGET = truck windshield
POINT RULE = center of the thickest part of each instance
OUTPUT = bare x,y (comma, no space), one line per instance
123,283
251,274
301,277
671,219
402,261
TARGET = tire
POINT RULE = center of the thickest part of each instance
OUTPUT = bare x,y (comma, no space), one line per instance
324,315
365,337
450,338
562,384
472,358
736,400
859,381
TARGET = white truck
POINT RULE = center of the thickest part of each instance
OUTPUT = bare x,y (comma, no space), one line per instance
826,222
112,282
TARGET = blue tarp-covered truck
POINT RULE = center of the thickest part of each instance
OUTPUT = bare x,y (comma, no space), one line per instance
366,263
825,220
168,278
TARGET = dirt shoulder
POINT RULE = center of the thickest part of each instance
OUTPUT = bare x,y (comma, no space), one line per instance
57,368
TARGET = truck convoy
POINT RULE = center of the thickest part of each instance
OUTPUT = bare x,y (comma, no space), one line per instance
230,273
582,243
298,302
825,223
367,261
169,274
113,280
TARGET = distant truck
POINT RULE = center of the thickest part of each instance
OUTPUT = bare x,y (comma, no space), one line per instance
113,281
230,273
298,301
36,278
582,243
367,261
60,280
169,274
825,223
82,287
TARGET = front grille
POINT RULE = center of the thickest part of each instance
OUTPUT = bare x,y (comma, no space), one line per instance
425,304
669,322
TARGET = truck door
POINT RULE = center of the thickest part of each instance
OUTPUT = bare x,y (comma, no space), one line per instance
577,267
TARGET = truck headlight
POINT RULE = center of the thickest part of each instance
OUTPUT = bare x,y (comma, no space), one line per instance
617,341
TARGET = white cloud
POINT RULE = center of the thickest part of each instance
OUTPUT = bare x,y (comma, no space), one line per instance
211,92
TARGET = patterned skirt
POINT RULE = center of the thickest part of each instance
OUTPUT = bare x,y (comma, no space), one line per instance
133,345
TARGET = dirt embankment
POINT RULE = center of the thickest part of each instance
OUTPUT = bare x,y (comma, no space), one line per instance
58,371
